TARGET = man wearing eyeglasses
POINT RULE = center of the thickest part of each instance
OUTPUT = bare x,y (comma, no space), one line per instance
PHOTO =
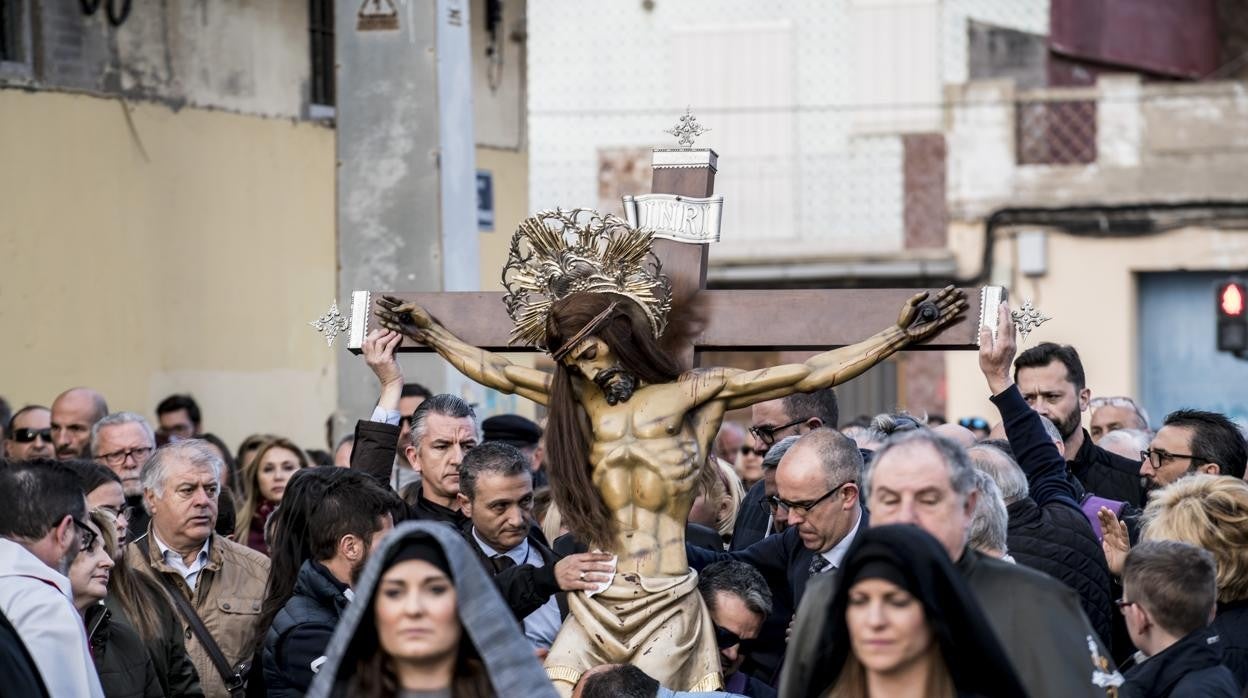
771,422
30,434
123,441
41,532
817,490
1193,441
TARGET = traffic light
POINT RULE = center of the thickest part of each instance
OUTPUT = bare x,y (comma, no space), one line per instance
1232,319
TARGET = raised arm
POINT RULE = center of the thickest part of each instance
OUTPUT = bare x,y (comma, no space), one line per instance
487,368
920,318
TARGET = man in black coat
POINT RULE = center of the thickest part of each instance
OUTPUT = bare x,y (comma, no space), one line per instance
443,429
21,676
1051,379
757,518
1047,529
343,527
1169,594
817,489
496,494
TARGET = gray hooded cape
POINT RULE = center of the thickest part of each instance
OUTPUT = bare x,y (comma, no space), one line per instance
508,657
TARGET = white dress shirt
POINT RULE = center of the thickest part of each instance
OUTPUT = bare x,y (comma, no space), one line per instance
836,554
540,626
173,558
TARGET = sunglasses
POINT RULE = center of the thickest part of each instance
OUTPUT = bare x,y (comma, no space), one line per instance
26,435
725,638
760,452
973,423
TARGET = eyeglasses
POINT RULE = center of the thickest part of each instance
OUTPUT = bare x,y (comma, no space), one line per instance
767,435
25,435
118,457
86,537
1123,603
126,512
1158,458
973,423
760,452
803,508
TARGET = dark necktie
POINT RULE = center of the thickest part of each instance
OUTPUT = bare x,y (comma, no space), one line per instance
502,562
818,564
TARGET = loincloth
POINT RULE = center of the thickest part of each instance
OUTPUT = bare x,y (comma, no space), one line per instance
658,624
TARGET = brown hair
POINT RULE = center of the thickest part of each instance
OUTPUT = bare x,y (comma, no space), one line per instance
140,597
852,681
372,670
627,334
251,483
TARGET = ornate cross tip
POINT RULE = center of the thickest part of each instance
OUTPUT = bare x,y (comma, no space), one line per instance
687,129
331,323
1027,319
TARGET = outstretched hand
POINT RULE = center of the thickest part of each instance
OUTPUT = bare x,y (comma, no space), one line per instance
996,356
1116,543
408,319
921,318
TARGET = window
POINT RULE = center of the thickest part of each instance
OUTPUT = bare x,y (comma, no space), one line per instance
321,35
12,31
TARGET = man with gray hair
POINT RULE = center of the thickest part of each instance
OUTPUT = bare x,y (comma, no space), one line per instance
215,580
921,479
758,518
990,525
738,599
443,429
123,441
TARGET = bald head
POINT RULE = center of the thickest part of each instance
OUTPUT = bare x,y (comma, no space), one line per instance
826,451
956,433
73,413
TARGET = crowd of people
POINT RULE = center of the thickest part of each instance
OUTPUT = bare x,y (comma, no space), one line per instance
1015,555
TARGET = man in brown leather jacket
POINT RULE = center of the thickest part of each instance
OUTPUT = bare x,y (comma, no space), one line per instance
224,581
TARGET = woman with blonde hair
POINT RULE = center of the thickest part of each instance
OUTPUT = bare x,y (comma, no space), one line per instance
264,482
1211,512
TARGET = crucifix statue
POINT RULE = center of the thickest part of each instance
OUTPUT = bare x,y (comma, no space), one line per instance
630,424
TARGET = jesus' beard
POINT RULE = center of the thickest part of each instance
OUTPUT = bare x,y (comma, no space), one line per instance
616,384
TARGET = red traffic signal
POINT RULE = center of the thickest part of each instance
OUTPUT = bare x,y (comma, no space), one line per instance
1232,321
1231,299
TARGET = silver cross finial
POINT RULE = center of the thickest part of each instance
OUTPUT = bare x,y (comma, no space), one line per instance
1027,319
687,129
331,323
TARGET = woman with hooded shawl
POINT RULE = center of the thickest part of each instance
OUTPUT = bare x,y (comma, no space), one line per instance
912,627
401,638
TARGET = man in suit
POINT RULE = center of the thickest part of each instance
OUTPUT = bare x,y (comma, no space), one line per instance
771,422
496,494
817,488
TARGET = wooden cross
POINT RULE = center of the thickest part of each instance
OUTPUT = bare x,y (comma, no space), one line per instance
790,319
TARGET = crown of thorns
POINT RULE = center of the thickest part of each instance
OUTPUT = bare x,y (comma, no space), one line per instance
555,254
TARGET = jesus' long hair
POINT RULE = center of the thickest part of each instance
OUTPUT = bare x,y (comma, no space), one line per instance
627,333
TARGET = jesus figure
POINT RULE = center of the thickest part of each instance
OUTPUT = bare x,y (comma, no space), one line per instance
629,435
